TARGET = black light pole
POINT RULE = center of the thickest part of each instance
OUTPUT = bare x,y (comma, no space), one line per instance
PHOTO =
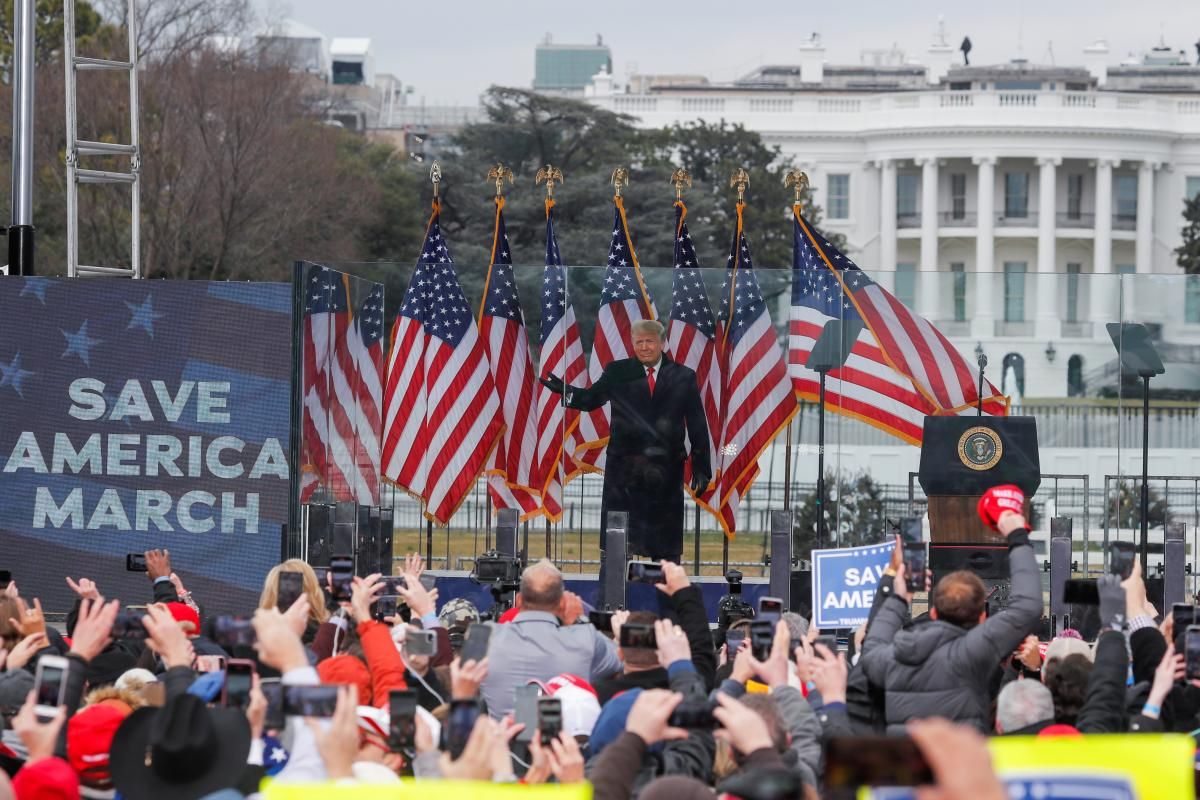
1138,356
829,352
981,360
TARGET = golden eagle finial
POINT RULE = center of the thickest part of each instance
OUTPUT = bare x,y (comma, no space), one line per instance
681,178
435,177
550,175
620,178
740,179
500,174
798,179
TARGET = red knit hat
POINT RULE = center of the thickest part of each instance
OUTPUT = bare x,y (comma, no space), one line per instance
184,613
349,670
89,736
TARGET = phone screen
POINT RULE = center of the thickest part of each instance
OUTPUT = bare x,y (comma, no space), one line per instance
914,566
420,643
272,690
645,572
458,726
1183,615
291,586
637,634
135,562
310,701
234,632
910,529
770,609
385,606
5,578
1120,558
733,643
602,620
475,647
525,710
549,722
402,733
851,762
1191,644
239,680
341,574
49,685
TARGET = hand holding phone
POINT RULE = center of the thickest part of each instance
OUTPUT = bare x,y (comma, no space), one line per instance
288,590
136,562
458,726
341,576
1183,615
475,646
49,686
318,700
525,710
762,638
638,635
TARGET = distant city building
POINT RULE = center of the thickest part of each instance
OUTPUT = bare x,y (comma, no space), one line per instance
566,69
999,201
352,63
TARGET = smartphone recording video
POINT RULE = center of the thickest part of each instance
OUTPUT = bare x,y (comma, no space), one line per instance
456,730
914,566
549,724
341,576
49,686
135,562
290,587
1191,646
769,609
762,636
239,680
318,700
638,635
645,572
475,646
402,730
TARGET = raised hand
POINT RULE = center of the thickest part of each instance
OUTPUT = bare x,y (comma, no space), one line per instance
93,629
86,589
553,383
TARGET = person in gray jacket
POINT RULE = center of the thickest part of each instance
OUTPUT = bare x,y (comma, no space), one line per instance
942,667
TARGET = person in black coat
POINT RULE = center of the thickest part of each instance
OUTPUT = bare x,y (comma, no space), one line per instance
655,402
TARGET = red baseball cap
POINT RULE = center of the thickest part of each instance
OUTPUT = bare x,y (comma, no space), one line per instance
89,737
187,615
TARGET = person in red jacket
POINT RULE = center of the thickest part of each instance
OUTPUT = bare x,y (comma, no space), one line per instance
369,660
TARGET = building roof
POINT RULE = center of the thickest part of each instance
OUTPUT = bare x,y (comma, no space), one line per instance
349,46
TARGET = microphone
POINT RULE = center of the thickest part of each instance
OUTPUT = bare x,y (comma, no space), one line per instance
982,361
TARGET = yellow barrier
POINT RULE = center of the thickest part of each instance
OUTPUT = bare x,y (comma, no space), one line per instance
429,790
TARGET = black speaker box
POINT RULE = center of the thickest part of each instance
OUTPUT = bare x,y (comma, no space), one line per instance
320,534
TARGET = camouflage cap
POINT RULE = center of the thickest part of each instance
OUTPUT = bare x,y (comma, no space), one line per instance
458,613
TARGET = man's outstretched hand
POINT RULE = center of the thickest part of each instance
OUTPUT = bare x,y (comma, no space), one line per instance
553,383
699,482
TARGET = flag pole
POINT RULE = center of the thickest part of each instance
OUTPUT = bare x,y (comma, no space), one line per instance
798,181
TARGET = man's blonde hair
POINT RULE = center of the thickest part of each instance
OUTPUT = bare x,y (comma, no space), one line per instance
650,326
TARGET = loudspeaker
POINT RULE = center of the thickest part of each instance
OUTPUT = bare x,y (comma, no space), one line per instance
801,590
320,534
781,557
345,522
506,532
1174,561
612,590
1060,562
386,533
366,541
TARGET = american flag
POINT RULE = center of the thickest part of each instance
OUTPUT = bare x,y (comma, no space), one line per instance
368,387
329,396
511,480
692,331
756,395
442,415
562,355
623,301
900,369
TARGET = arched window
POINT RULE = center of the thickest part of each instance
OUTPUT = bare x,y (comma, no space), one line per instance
1017,362
1075,386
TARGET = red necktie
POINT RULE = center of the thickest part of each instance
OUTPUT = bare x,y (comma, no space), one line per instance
650,378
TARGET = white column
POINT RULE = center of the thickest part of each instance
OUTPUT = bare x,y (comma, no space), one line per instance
1144,243
984,314
1045,288
887,221
927,286
1105,290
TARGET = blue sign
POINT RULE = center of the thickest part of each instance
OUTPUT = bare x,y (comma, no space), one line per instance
138,415
844,583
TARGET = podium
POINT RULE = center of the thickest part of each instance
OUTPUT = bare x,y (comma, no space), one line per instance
961,458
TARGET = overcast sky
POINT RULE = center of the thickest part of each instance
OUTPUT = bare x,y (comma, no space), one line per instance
452,50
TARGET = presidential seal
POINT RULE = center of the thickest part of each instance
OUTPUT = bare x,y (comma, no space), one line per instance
980,448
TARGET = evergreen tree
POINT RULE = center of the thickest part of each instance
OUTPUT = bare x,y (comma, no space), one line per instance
1187,255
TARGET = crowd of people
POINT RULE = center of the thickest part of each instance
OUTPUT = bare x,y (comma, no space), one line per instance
146,709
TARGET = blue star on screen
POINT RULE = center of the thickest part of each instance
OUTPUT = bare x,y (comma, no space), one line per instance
80,344
12,375
143,315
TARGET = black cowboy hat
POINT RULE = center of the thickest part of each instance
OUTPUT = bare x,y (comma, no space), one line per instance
184,750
